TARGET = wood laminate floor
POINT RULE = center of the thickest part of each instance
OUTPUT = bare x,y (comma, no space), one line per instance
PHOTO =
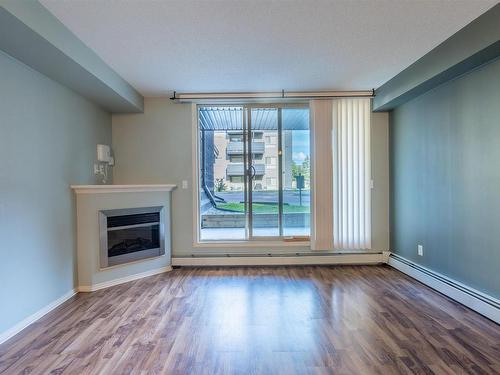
263,320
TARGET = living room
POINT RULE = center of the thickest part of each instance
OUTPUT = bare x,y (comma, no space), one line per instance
249,187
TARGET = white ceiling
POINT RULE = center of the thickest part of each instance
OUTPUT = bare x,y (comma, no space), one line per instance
231,45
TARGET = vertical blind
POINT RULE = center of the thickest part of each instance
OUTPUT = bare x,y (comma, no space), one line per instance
351,173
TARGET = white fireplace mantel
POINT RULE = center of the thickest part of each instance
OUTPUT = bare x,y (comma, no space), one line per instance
99,189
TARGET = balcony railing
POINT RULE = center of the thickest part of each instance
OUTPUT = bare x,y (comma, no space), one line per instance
236,148
254,132
236,169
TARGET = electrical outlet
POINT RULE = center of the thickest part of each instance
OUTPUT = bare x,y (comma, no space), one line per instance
420,250
184,184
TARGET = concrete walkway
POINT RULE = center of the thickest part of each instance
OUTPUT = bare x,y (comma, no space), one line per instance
239,233
289,196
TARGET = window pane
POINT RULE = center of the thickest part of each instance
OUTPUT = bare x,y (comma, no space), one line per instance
265,193
278,159
296,172
222,208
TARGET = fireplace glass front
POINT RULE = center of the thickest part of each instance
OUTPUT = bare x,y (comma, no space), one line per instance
131,234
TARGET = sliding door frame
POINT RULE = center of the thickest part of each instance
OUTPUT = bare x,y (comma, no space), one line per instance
250,240
248,166
249,178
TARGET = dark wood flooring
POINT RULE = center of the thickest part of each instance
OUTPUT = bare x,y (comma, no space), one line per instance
275,320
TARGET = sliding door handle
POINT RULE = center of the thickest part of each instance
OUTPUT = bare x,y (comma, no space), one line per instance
251,172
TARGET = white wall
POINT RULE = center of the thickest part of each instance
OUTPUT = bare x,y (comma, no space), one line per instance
156,147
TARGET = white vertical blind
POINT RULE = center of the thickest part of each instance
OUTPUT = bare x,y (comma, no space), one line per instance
351,173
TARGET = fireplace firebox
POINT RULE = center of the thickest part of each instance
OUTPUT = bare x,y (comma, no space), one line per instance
131,234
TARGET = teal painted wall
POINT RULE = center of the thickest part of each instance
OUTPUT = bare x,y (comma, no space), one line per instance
49,47
445,179
48,136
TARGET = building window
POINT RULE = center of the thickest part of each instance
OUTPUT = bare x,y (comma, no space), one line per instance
235,137
270,160
236,159
236,179
271,181
271,140
257,135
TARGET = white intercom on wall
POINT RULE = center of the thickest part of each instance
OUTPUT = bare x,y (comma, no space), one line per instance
104,154
104,161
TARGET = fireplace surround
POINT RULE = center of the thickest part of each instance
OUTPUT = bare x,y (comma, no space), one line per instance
138,240
130,234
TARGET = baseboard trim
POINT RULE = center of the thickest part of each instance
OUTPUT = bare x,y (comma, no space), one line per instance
121,280
480,302
11,332
368,258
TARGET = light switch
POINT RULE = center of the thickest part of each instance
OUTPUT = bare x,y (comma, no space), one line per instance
420,250
184,184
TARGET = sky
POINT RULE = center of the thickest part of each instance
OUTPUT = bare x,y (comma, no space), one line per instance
300,145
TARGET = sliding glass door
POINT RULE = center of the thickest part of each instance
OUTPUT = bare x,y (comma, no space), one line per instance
264,194
254,172
295,172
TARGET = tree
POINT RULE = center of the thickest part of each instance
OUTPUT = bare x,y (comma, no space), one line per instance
296,169
303,169
306,168
220,185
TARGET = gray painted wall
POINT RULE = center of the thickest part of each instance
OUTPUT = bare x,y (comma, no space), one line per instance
445,179
48,136
156,147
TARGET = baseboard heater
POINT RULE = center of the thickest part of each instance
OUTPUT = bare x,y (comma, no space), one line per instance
480,302
281,259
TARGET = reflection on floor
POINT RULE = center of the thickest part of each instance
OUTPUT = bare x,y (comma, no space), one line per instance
261,320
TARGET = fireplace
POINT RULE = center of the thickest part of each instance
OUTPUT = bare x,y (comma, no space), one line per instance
131,234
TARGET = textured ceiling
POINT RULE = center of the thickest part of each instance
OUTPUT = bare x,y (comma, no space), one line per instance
231,45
